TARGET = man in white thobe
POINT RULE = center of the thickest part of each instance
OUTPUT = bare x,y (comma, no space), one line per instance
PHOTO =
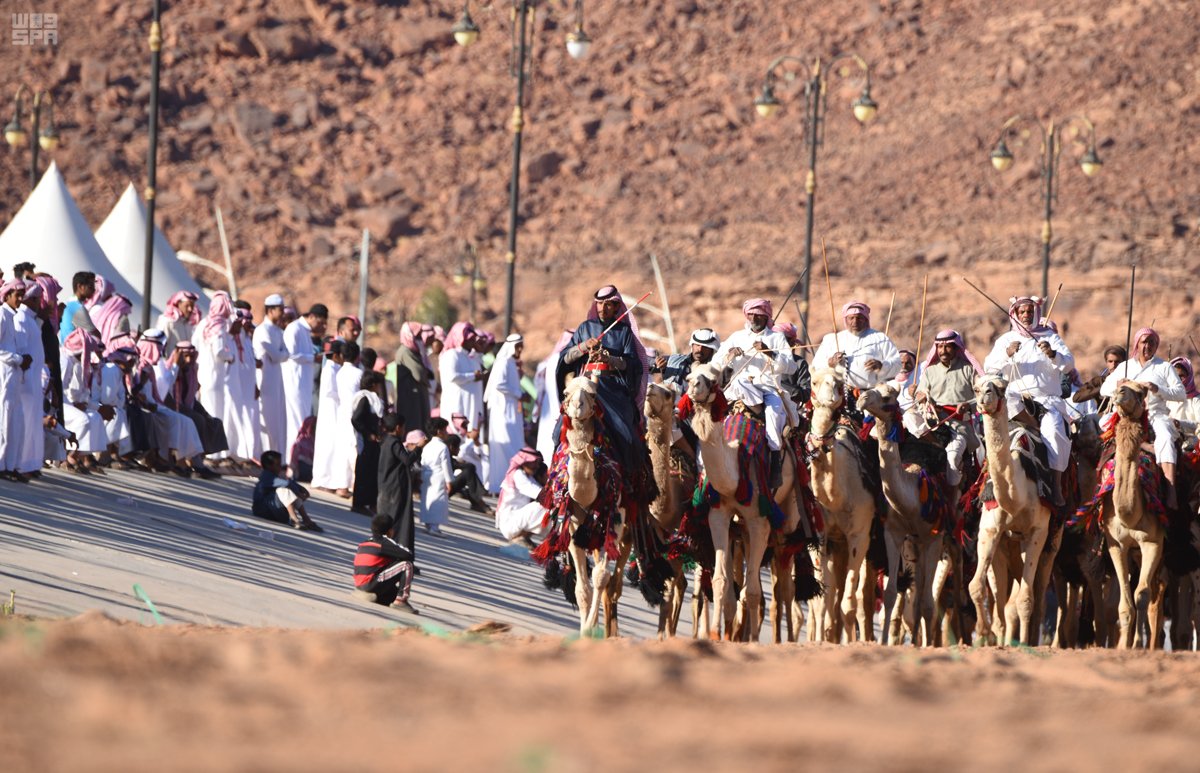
868,356
270,351
548,407
437,477
1162,385
1032,358
758,357
114,397
29,341
506,422
300,370
14,364
458,372
345,440
519,515
325,442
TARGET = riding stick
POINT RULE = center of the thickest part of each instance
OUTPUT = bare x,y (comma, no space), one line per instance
623,315
829,288
921,329
975,287
1129,325
1195,348
1050,309
800,314
788,297
888,325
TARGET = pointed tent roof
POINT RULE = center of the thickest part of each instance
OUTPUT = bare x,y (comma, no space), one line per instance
122,235
50,232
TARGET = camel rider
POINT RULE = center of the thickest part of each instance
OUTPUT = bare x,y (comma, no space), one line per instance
675,368
905,384
868,356
1162,384
1031,357
798,385
948,385
759,357
618,361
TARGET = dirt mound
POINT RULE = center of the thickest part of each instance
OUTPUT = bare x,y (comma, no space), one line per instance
99,695
307,120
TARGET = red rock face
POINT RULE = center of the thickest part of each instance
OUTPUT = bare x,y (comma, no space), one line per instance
307,121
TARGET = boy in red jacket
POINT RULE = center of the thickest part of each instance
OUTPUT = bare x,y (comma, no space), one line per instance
383,568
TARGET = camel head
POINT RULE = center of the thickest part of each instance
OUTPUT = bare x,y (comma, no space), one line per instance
579,399
881,402
660,401
989,393
828,389
705,381
1129,399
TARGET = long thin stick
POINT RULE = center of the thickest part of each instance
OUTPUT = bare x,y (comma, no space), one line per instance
921,329
804,325
233,293
998,306
788,297
888,325
662,290
829,287
1129,326
1050,309
623,316
1195,348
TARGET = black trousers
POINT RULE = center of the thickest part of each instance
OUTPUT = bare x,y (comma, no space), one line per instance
467,485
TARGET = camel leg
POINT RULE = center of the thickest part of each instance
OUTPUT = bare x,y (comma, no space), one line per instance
899,608
1181,614
854,595
719,522
583,596
759,532
941,577
988,537
599,581
1031,555
891,622
1148,593
615,582
1041,584
1125,609
783,596
923,592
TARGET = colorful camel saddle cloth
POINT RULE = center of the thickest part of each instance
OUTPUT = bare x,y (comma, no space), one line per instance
928,453
597,531
750,435
1150,478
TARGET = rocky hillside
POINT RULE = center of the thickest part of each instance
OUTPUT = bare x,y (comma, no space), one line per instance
307,120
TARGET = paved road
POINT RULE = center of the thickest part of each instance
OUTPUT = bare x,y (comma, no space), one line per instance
71,543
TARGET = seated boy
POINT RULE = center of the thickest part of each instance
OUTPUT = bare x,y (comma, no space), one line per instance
383,568
280,499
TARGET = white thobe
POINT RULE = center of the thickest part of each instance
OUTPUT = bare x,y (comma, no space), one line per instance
243,378
520,512
1030,373
298,373
345,443
457,369
1186,410
12,385
184,437
1159,372
270,350
213,370
325,443
436,472
506,426
859,349
472,453
474,397
114,393
547,405
85,422
29,341
758,374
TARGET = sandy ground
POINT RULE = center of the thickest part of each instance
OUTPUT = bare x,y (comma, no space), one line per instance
96,694
265,663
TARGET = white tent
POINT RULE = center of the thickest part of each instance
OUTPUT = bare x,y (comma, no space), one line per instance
123,237
50,232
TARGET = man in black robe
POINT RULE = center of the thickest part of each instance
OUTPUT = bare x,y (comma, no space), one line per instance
618,360
395,483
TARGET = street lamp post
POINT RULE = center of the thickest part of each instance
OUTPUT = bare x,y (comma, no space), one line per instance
1089,163
815,91
466,32
47,139
470,273
155,41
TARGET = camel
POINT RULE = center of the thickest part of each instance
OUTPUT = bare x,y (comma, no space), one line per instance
721,470
674,494
1128,522
901,489
579,405
837,482
1018,510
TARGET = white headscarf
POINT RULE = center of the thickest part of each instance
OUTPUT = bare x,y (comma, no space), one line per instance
500,367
